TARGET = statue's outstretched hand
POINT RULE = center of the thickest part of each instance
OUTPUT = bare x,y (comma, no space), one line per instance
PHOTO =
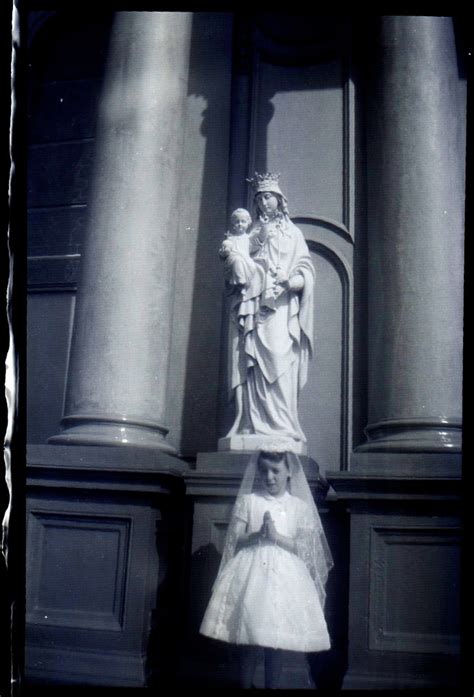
281,278
263,233
294,283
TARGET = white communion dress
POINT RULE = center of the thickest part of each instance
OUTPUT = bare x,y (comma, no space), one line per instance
265,595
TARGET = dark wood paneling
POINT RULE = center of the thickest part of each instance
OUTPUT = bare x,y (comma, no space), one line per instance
65,111
404,594
66,63
56,231
59,174
92,582
56,273
85,588
414,581
49,322
70,46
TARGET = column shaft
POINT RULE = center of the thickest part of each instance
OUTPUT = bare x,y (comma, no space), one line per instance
117,380
416,224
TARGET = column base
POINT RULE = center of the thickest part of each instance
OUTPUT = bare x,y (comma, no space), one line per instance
421,435
254,441
112,431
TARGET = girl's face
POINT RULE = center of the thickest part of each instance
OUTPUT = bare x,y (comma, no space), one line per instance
267,203
274,475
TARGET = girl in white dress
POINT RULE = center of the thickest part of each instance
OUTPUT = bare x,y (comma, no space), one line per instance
270,588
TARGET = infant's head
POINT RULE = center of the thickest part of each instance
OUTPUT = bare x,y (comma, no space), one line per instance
240,221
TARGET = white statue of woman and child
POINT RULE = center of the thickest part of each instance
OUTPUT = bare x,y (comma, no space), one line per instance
269,270
270,587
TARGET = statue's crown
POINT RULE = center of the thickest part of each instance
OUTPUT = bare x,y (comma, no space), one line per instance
267,181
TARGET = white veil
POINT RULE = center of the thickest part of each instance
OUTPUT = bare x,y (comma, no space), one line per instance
311,543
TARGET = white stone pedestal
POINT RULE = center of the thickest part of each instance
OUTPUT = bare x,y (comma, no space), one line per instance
254,441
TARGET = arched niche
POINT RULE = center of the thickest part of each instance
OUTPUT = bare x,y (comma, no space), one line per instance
326,400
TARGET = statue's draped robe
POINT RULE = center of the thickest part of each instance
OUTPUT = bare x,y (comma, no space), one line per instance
271,340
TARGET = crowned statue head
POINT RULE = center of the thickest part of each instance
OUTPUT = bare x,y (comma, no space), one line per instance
268,182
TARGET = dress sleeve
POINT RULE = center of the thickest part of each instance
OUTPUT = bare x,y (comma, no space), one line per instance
241,509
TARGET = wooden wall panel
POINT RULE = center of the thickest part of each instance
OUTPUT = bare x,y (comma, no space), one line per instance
78,576
414,604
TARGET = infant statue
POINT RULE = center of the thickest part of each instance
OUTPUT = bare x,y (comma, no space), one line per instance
239,268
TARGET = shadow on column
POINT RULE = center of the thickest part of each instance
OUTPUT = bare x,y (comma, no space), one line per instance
199,429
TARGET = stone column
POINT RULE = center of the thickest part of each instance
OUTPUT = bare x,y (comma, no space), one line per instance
117,380
416,223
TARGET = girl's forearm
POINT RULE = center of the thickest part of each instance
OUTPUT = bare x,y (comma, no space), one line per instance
254,538
287,543
247,539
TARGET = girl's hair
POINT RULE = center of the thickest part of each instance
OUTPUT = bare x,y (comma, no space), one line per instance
274,456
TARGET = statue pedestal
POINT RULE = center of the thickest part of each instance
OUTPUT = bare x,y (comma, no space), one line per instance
254,441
